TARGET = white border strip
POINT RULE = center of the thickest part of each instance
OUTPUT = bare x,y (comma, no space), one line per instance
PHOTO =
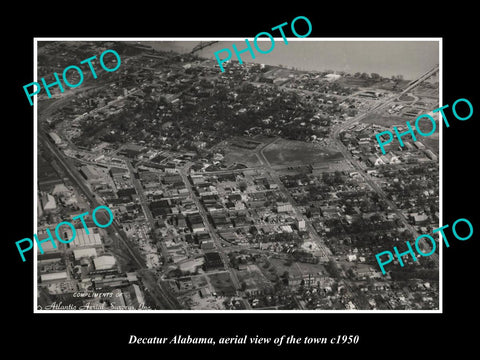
35,178
440,170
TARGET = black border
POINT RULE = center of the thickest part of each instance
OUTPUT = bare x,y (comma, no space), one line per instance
109,333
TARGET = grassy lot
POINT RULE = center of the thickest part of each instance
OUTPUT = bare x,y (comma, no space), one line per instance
199,281
432,141
384,119
426,92
425,126
285,152
222,284
307,268
280,267
256,276
406,97
354,82
240,156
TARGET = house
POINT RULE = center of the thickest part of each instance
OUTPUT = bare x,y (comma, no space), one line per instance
351,257
310,280
420,219
181,221
184,283
375,161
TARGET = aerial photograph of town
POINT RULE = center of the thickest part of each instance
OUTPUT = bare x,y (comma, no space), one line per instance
260,188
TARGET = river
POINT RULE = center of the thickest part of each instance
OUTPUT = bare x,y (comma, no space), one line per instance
408,58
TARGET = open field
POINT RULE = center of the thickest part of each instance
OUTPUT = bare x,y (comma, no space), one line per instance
241,150
432,141
236,155
254,277
386,120
307,268
426,92
280,267
386,84
406,97
244,143
425,126
285,152
262,138
222,284
277,72
354,82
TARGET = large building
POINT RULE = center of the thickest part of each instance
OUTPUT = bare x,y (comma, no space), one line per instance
55,138
53,276
48,202
195,222
47,246
82,239
104,262
86,252
284,207
301,224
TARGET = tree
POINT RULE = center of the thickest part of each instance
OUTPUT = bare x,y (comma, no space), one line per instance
332,269
242,186
338,176
243,285
288,262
